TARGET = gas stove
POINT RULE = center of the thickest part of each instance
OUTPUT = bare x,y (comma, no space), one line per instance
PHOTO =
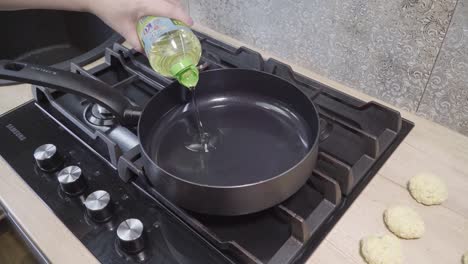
87,168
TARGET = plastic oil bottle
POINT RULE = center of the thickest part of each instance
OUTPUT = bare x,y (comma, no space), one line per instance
174,51
172,48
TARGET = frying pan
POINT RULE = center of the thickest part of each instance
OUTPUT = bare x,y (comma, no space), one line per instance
262,135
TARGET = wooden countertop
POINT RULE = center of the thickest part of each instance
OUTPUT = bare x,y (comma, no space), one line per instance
428,148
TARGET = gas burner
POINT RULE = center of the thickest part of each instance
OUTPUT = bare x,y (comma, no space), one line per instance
99,116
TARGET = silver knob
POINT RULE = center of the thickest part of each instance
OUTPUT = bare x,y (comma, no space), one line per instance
98,205
130,236
47,158
71,180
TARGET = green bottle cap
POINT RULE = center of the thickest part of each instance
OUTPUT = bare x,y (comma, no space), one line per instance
185,72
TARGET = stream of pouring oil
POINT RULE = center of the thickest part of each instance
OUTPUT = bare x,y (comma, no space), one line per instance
202,143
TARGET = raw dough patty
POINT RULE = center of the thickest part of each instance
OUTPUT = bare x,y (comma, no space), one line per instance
428,189
404,222
381,250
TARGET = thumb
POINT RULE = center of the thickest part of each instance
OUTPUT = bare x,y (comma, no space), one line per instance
130,34
169,9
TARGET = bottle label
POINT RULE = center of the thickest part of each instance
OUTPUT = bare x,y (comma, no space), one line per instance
151,28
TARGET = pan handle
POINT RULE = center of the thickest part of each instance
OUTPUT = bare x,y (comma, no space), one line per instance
95,91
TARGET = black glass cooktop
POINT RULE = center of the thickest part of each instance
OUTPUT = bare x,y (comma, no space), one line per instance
356,139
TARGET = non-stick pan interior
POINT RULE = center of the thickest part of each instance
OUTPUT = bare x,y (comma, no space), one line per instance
251,138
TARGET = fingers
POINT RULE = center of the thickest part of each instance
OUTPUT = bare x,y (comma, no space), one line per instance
130,35
164,8
169,8
174,2
133,41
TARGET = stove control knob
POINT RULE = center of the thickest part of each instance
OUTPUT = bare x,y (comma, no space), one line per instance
71,180
130,236
47,158
99,206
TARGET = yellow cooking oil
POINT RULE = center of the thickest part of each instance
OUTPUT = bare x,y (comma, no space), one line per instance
172,48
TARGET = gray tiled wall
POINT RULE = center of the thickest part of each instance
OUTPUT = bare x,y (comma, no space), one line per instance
446,97
387,49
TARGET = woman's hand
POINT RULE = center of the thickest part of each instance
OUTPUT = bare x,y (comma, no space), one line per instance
123,15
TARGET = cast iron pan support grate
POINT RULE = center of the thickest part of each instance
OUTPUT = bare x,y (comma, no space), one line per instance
301,224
